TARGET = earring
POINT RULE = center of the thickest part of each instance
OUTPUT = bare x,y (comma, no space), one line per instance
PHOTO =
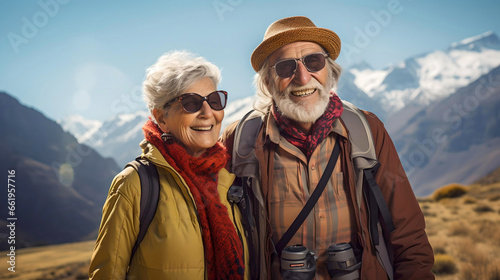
167,137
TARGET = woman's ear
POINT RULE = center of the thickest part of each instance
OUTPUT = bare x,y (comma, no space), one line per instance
159,116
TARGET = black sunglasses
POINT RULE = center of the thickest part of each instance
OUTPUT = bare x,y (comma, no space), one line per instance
313,63
192,102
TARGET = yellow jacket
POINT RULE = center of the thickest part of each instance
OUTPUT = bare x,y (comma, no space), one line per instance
172,247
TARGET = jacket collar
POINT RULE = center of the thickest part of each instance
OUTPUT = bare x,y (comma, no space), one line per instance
151,153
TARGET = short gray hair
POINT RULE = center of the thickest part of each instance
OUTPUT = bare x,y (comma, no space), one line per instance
172,74
264,98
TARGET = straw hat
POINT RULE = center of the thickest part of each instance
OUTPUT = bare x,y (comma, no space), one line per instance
294,29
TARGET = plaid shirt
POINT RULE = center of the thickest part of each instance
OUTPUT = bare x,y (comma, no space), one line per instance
294,179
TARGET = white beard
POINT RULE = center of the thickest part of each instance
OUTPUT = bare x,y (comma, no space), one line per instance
303,112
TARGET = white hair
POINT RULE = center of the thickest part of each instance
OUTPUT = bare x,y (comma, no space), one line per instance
172,74
264,93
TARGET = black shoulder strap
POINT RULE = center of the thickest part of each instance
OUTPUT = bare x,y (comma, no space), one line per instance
150,193
377,204
311,201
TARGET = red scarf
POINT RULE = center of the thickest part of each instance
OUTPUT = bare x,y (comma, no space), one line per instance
308,143
222,246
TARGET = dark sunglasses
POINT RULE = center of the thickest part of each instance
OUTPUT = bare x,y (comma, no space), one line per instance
192,102
313,63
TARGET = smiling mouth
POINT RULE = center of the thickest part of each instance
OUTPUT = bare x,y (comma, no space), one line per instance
202,128
303,93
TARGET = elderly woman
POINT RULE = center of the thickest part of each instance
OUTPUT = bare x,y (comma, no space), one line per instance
194,233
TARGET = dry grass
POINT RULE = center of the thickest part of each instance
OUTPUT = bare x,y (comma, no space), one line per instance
469,200
444,265
465,233
449,191
495,198
56,262
466,242
483,209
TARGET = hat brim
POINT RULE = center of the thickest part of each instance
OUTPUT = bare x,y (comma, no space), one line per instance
324,37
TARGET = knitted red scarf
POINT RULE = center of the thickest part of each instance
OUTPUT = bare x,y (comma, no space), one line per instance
222,246
308,143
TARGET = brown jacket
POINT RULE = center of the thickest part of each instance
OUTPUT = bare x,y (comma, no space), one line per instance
408,244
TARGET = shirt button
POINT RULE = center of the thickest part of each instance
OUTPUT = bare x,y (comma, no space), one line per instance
313,166
321,218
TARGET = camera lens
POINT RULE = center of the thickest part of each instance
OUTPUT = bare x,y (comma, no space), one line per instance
342,263
297,263
294,252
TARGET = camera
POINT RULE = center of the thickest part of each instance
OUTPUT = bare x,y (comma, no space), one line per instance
297,263
342,263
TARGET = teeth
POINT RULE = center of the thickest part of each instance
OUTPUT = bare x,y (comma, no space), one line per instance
202,128
302,93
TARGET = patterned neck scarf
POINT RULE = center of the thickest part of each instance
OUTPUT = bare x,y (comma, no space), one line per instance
307,143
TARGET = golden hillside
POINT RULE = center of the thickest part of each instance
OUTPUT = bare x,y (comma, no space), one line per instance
56,262
464,232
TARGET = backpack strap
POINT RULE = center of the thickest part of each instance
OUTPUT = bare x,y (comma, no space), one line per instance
362,147
150,193
365,160
246,168
360,135
366,165
245,162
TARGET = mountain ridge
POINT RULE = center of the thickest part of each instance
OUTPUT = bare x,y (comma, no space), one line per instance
432,75
438,144
60,185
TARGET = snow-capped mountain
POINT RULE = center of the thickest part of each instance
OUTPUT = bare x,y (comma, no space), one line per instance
431,76
235,110
118,137
80,127
348,91
455,139
487,40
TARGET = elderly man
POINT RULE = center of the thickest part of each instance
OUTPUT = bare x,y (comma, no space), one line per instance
301,124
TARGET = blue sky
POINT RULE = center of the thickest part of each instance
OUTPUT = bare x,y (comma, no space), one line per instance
67,57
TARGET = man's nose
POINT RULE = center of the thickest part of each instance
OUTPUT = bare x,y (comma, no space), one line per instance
302,75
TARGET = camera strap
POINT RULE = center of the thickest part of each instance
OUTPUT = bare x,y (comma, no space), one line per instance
290,232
